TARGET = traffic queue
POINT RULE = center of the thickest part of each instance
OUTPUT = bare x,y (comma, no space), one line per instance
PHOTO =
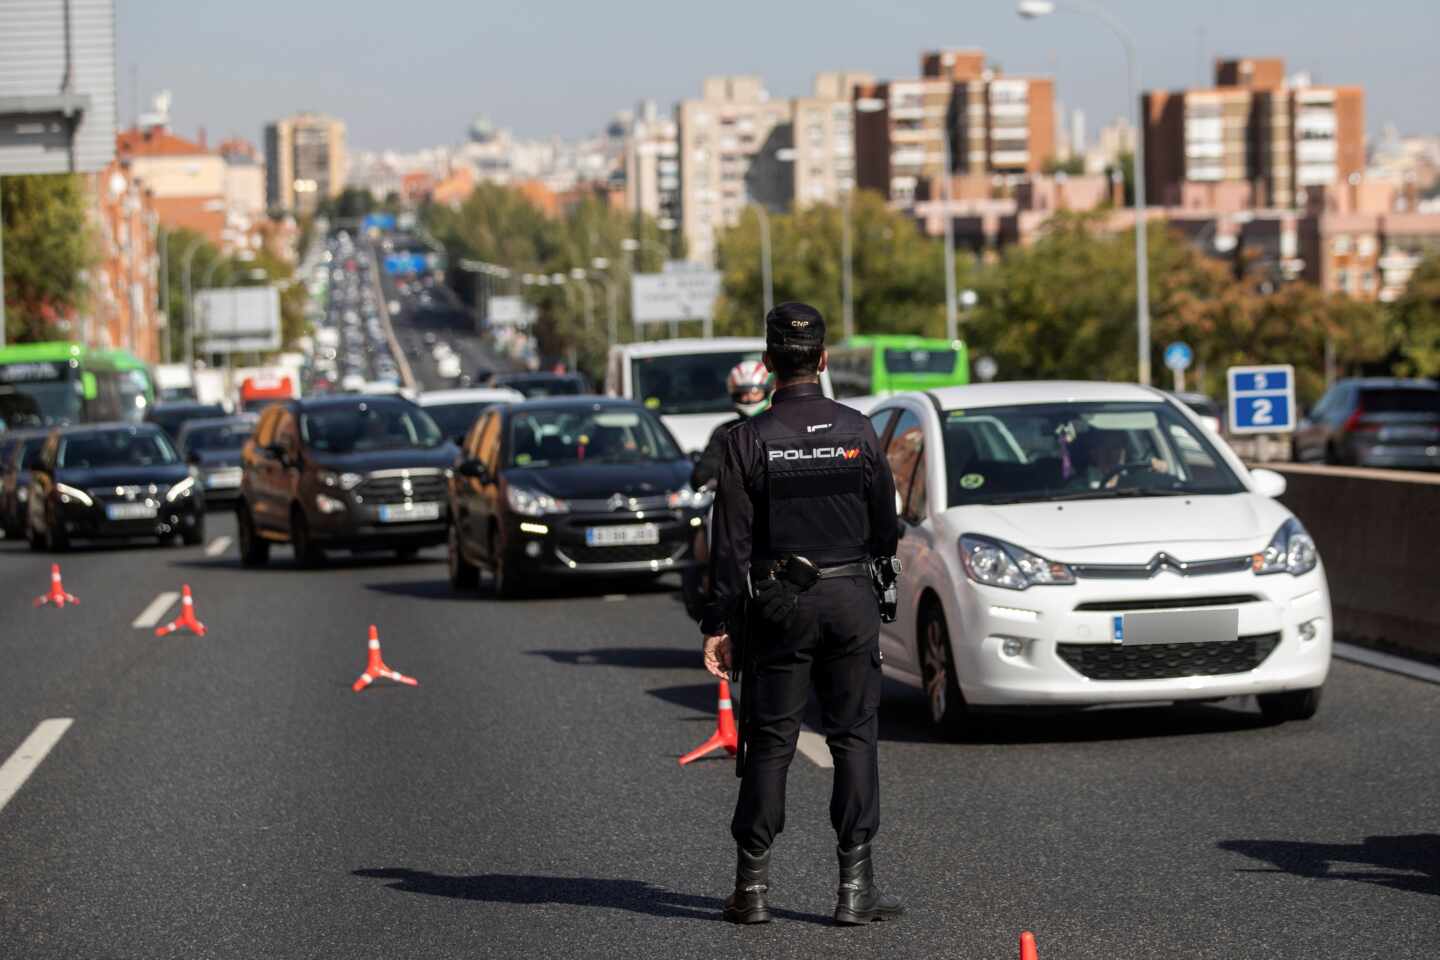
1063,544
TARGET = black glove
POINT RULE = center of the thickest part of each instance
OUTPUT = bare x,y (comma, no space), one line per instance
776,600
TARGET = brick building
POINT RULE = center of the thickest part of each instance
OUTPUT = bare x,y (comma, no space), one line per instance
1280,137
124,283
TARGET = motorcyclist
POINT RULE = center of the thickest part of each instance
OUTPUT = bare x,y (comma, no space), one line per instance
749,385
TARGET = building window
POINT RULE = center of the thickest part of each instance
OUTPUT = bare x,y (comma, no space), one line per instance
1341,243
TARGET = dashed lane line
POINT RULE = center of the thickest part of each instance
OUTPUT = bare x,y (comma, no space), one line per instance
17,769
816,750
151,615
217,546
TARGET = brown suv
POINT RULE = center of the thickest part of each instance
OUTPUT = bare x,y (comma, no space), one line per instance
350,472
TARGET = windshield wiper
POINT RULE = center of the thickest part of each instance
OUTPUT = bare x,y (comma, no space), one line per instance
1114,494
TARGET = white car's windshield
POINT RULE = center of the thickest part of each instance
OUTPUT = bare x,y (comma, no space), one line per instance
1074,451
687,383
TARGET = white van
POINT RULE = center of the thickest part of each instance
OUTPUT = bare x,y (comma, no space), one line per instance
683,380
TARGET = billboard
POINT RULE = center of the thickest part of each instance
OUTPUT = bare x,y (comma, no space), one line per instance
237,320
57,87
676,295
511,312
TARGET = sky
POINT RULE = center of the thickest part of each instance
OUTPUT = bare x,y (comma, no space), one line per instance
405,74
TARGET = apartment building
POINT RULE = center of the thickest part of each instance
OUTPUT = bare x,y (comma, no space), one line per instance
823,139
996,125
1281,136
185,179
721,136
304,162
652,167
124,287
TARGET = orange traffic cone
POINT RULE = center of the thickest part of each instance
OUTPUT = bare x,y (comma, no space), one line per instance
1027,946
376,667
724,736
186,618
57,594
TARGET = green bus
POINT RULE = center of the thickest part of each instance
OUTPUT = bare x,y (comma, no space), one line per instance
881,364
47,384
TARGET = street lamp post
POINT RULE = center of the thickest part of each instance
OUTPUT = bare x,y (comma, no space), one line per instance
578,273
952,318
612,301
769,292
847,283
185,261
1030,9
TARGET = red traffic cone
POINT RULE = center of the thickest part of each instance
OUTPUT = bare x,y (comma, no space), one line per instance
57,594
724,736
186,618
376,667
1027,946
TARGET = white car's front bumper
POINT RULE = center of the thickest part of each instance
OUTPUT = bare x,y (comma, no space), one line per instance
1068,655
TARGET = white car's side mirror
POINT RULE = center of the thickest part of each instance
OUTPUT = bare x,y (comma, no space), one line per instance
1268,482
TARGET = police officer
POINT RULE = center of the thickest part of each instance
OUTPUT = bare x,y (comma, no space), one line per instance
805,502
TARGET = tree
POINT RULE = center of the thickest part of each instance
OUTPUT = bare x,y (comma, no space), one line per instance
897,272
49,247
1416,318
1073,165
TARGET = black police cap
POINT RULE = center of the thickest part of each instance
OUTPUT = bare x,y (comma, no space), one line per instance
795,324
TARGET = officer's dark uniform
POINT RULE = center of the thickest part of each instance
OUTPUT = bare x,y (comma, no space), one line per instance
806,477
707,468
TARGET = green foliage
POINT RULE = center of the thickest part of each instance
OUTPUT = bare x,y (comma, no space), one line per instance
1072,165
500,225
49,246
897,275
1417,321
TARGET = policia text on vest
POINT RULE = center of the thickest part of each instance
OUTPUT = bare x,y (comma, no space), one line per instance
805,503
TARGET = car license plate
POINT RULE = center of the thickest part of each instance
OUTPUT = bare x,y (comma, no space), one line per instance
130,511
403,512
1176,626
627,535
223,479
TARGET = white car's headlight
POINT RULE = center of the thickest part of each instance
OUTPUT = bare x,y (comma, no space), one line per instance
73,493
996,563
345,481
1291,551
533,503
181,489
686,498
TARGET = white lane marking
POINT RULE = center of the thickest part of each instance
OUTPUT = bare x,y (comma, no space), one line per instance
28,755
816,750
151,615
217,546
614,597
1385,661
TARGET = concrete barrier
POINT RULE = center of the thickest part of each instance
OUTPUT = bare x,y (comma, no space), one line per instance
1378,532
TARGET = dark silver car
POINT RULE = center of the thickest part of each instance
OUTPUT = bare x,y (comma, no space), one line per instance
1373,422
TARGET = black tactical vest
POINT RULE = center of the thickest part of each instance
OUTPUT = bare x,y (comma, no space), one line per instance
815,488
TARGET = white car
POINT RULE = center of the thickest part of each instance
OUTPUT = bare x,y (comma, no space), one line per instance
1080,544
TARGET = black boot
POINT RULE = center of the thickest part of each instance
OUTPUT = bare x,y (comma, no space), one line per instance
859,900
752,881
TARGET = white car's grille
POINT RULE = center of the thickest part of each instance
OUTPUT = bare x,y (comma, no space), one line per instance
1157,563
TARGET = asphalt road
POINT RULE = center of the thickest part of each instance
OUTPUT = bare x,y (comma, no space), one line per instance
229,796
450,321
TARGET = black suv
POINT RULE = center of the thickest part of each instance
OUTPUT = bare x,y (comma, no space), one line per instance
353,472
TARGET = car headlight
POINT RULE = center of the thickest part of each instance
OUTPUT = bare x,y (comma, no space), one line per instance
345,481
68,493
22,494
1291,550
328,505
688,499
181,489
996,563
533,503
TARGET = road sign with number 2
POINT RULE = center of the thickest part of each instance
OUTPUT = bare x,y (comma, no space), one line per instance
1262,399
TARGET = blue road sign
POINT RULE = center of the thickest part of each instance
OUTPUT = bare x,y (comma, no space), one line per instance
406,263
1262,398
381,221
1179,356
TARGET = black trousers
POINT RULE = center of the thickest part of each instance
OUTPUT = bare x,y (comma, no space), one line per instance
832,641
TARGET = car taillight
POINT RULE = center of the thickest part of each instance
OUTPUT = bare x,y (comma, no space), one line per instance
1354,425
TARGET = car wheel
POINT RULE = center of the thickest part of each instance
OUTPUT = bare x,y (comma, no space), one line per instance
1332,455
195,535
463,573
56,539
1290,705
507,587
307,554
254,551
37,543
948,713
